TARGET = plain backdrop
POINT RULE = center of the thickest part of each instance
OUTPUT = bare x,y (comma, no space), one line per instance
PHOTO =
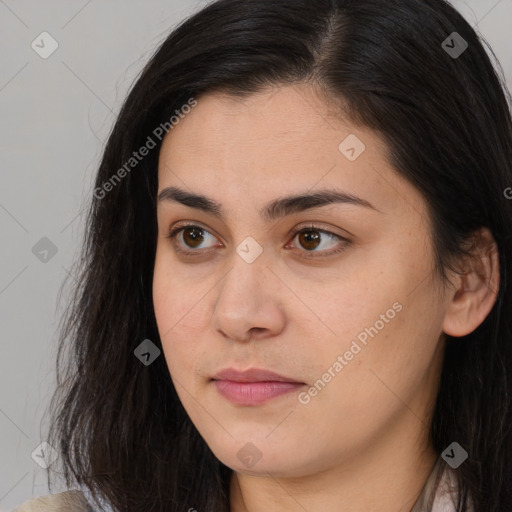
56,113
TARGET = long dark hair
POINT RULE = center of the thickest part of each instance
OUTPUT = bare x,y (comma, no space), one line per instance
119,424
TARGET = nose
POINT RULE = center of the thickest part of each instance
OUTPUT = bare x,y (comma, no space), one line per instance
249,303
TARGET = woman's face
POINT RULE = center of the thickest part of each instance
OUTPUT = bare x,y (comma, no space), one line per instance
350,308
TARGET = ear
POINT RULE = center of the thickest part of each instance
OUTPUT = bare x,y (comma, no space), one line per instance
475,287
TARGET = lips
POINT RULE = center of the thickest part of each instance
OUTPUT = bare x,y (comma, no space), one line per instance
252,375
253,386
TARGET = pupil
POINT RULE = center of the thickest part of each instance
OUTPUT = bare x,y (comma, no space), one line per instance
194,235
310,236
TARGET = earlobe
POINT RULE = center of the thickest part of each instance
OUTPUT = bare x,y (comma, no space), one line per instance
476,288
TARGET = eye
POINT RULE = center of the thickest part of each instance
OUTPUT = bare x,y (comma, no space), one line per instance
310,238
193,236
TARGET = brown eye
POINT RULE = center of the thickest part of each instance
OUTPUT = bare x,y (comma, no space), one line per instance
309,239
193,236
192,240
313,242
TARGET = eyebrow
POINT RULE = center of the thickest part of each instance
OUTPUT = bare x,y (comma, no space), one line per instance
274,210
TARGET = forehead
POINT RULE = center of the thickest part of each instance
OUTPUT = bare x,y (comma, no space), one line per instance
286,116
288,128
283,140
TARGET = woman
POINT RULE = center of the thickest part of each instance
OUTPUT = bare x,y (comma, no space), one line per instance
295,293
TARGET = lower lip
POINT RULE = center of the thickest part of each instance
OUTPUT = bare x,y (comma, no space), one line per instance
253,393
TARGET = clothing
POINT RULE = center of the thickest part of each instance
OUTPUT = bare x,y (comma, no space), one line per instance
440,491
441,481
68,501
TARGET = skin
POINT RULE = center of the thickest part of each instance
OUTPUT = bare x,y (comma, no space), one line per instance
363,439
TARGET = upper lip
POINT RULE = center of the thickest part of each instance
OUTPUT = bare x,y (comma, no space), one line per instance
251,375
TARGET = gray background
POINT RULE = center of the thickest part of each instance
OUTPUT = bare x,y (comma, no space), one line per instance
55,116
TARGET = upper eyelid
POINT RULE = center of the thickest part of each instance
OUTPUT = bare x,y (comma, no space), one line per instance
178,227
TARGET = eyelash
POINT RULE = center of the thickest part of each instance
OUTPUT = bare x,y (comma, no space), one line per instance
293,233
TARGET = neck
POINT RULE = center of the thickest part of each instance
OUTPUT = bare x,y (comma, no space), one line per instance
388,478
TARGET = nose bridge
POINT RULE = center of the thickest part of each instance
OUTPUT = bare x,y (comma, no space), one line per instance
245,281
247,297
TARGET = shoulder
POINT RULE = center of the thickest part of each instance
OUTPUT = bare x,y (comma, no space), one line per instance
63,502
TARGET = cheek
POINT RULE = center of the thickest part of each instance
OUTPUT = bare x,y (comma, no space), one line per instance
389,358
387,330
177,303
177,310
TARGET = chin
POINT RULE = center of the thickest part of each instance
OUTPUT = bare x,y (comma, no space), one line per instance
250,460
